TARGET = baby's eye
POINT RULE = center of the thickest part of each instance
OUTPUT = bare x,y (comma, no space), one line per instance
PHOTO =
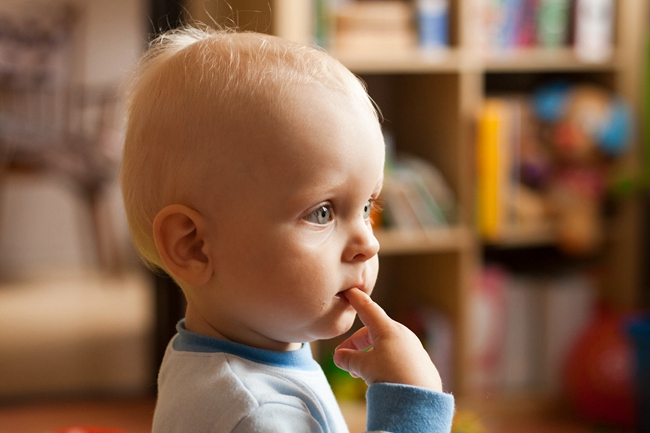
367,210
321,216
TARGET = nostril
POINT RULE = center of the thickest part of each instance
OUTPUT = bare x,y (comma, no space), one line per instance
366,251
362,244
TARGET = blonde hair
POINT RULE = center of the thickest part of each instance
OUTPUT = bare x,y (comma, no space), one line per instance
187,86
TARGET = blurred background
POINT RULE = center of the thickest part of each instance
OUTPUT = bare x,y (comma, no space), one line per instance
514,238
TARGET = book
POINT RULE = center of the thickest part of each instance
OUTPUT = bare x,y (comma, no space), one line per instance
511,168
497,150
523,328
488,163
594,29
487,324
374,26
553,23
509,25
416,196
524,318
569,304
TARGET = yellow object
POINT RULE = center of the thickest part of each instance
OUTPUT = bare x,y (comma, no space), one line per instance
467,422
488,163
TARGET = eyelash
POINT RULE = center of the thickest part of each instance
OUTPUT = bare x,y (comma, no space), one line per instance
377,206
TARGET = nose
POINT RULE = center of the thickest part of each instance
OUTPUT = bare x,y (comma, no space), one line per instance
362,244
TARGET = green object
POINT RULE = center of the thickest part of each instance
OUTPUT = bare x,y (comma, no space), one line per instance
553,23
623,186
344,386
322,23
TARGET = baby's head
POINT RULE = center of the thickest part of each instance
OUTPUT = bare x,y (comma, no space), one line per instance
197,92
249,171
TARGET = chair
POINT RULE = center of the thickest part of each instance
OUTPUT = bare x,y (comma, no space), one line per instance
49,123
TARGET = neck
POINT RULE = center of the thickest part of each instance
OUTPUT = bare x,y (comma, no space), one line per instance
196,323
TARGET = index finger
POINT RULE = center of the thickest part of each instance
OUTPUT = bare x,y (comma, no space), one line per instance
370,313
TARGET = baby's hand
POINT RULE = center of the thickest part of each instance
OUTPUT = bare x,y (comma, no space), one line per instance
395,355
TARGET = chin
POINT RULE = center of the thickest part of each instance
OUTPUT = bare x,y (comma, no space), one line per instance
333,327
343,325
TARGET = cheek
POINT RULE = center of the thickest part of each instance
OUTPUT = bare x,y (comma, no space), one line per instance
302,270
373,271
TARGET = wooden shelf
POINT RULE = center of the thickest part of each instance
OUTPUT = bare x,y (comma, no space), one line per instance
423,241
394,241
530,235
454,60
410,61
544,60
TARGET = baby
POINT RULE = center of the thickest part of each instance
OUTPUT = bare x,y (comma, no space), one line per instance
251,167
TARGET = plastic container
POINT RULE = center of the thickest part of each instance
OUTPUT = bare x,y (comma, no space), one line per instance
594,29
433,17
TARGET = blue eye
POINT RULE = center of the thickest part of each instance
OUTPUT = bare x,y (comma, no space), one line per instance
322,215
367,210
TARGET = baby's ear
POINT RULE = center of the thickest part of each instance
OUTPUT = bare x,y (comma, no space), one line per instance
180,236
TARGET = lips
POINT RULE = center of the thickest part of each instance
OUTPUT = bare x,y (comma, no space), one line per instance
361,287
340,294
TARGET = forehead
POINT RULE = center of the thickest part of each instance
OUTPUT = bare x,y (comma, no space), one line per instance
313,136
314,126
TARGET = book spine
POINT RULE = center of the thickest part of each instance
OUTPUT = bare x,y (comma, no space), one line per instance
488,163
553,23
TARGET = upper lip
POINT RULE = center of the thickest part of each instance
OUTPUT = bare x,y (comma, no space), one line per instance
361,285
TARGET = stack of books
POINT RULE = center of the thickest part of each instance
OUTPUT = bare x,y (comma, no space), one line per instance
374,26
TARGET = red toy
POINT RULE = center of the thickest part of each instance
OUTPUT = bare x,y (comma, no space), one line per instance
599,372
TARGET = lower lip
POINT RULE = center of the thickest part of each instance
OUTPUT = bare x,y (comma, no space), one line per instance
341,295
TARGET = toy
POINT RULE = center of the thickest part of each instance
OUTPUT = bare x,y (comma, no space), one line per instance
596,118
599,372
586,128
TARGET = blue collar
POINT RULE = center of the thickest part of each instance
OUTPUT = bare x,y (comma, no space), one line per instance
188,341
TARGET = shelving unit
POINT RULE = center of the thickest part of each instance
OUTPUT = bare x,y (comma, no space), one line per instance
431,103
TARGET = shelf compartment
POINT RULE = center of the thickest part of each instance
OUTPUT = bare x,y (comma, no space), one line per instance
396,241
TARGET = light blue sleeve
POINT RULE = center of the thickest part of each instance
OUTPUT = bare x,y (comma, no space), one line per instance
399,408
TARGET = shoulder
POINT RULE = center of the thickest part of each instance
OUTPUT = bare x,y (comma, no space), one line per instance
197,391
200,390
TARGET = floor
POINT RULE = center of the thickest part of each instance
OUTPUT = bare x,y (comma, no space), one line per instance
76,333
130,415
133,415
